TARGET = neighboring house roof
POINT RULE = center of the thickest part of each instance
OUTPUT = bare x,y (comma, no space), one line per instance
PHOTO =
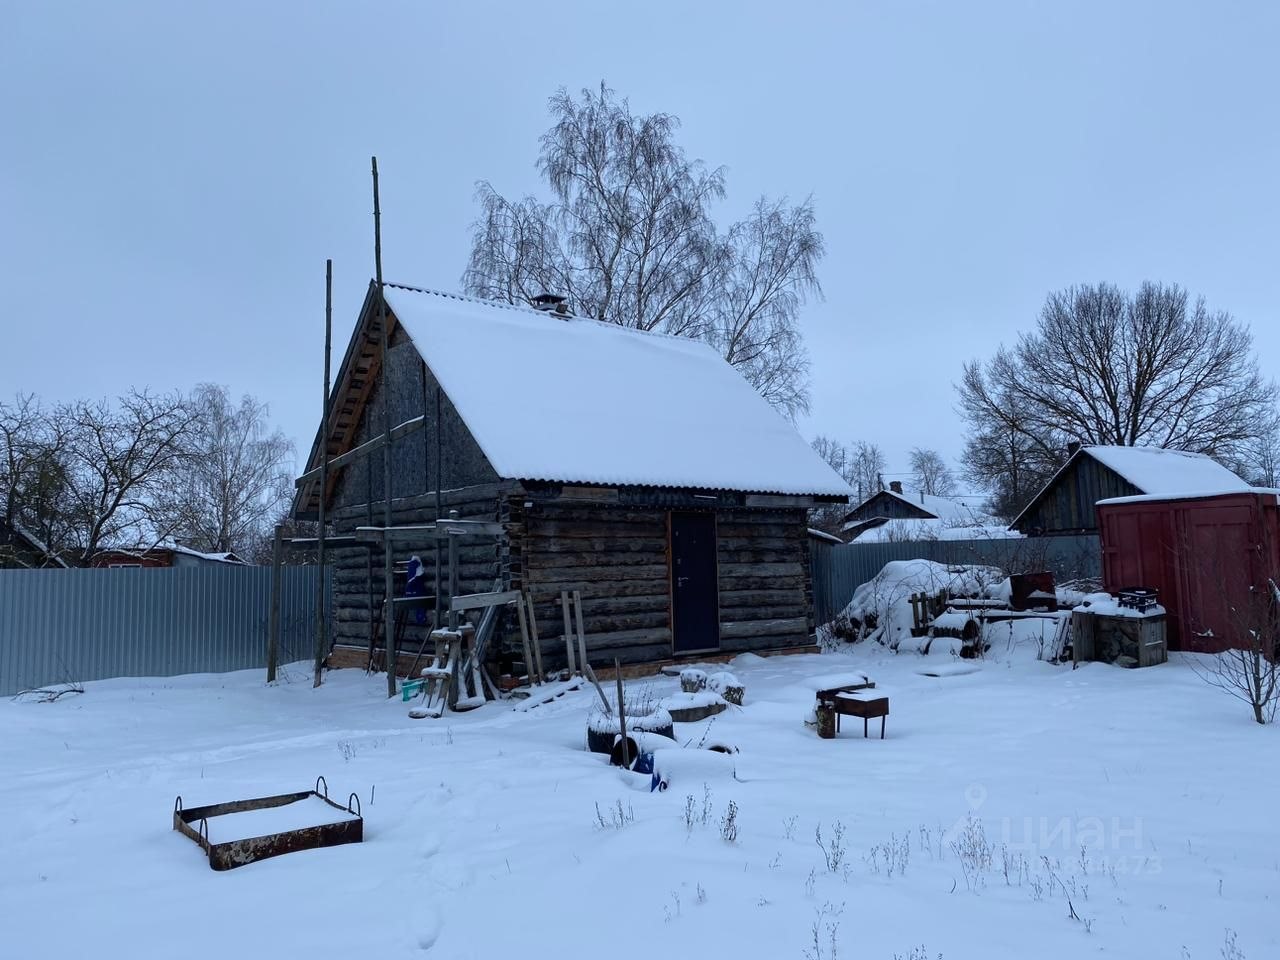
1154,471
944,508
1157,471
900,531
228,557
159,550
558,398
36,544
966,510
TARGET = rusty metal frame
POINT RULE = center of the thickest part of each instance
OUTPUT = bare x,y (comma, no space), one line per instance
193,822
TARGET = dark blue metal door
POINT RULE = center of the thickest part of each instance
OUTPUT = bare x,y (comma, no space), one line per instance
695,603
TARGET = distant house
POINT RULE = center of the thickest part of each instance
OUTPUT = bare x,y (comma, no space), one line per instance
21,549
898,514
164,555
1068,502
638,469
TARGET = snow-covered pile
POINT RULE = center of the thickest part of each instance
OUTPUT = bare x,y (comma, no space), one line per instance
883,604
1105,605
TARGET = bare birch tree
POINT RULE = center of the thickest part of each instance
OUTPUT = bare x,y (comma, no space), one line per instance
930,473
628,237
227,493
1102,366
859,464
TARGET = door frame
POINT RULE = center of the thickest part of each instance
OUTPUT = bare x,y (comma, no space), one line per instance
671,585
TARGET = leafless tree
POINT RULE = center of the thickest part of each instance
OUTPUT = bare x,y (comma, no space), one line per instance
33,469
1103,366
226,494
867,465
1250,670
1000,454
859,464
628,237
829,517
120,457
930,473
1259,461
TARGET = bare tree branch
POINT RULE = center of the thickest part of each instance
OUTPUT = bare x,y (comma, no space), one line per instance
1106,367
628,238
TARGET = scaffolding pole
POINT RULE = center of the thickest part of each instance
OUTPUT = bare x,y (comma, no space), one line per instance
321,608
388,561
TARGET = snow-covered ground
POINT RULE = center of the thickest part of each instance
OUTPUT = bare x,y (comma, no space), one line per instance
1003,800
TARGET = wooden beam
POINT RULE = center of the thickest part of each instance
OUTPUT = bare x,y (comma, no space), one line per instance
777,500
477,601
440,530
369,446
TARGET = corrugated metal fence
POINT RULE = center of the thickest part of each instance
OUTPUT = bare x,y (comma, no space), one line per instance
839,569
64,625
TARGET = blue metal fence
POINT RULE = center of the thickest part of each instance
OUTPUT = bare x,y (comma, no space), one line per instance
74,625
839,569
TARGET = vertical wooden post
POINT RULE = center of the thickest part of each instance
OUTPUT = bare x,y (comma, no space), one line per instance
322,609
456,682
582,639
453,574
368,559
524,639
273,617
388,561
622,715
438,558
568,632
535,637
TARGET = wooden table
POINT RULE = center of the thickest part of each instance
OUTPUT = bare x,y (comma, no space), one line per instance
850,701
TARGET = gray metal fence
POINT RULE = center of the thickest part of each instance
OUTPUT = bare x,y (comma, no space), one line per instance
69,625
839,569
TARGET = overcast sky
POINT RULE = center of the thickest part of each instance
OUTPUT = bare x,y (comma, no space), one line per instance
173,175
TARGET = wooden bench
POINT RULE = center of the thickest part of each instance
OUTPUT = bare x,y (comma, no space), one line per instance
850,701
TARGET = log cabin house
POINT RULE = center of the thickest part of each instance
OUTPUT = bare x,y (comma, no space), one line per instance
639,469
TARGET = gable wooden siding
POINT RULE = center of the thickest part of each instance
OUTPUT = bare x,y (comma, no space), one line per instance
1069,503
886,505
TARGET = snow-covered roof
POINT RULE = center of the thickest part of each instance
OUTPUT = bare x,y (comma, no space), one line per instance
562,398
944,508
1154,470
1156,497
37,544
823,535
217,557
903,531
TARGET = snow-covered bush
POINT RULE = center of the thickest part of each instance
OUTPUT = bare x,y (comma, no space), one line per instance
692,680
728,686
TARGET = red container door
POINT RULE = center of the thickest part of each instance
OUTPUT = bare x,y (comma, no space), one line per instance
1220,563
1140,549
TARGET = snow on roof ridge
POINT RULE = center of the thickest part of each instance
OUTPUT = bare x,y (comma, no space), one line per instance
1197,495
544,314
36,542
1145,449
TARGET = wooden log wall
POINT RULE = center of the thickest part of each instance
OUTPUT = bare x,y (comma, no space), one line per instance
765,582
481,560
617,557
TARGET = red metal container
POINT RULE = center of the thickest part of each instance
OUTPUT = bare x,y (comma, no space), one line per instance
1202,553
